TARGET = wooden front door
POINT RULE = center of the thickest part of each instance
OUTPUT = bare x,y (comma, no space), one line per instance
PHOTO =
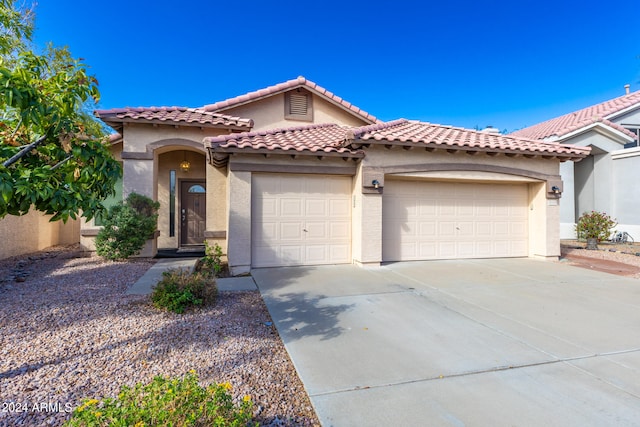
193,212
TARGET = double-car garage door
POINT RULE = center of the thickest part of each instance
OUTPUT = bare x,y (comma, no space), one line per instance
306,220
425,220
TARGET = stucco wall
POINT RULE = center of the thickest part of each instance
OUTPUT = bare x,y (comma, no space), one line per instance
630,118
33,232
626,191
269,113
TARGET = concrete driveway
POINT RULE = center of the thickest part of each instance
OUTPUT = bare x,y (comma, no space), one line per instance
509,342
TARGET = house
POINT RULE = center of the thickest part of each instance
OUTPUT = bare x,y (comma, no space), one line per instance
294,175
605,180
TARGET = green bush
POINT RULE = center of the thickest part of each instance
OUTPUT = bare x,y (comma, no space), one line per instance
179,290
596,225
166,402
212,261
126,227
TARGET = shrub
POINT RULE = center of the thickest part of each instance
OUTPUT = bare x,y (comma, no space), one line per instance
180,289
126,227
212,260
596,225
166,402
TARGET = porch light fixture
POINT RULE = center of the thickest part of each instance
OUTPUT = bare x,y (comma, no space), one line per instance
185,165
375,183
555,189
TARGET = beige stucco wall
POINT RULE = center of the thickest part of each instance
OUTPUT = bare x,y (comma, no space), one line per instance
33,232
269,113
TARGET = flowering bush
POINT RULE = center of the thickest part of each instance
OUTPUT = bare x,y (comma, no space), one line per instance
167,402
595,225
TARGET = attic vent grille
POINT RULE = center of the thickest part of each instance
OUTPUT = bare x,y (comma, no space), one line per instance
298,105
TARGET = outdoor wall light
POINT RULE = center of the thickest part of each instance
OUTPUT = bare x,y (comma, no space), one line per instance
185,165
375,183
555,189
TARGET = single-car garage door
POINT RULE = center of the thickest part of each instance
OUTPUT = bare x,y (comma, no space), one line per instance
425,220
300,220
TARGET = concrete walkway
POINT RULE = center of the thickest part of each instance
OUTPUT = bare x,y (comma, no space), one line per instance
503,342
144,285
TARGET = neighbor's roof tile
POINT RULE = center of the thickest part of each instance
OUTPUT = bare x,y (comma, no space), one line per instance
312,139
283,87
421,134
599,113
172,115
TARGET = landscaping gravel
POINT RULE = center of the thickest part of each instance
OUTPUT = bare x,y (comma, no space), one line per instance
69,332
628,253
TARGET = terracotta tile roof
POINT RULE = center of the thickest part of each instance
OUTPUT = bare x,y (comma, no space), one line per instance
172,115
420,134
317,139
313,139
284,87
332,139
599,113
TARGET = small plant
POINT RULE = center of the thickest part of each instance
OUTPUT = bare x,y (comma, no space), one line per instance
595,225
180,289
126,227
167,402
212,260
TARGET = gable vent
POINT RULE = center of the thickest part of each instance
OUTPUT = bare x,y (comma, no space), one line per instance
298,104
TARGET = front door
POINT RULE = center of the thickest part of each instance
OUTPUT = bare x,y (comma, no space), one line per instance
193,212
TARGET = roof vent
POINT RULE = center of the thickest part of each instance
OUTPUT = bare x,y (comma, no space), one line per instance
298,105
626,89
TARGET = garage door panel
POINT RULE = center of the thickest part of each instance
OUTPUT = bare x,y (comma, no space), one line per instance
443,220
290,230
340,208
290,207
300,220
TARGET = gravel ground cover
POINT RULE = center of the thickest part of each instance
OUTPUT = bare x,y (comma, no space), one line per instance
68,332
627,253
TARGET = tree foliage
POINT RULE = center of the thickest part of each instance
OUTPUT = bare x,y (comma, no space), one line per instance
55,157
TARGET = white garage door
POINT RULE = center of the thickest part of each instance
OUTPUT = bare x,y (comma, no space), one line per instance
300,220
425,220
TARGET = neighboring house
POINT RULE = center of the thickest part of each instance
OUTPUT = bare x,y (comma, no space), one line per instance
294,175
606,180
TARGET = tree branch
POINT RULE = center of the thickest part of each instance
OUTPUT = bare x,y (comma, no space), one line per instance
23,152
62,163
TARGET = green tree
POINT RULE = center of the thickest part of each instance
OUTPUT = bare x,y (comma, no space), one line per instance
54,155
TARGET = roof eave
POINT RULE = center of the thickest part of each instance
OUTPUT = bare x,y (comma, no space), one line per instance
118,123
599,127
410,145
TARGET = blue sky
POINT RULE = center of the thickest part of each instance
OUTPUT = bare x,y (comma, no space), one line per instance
509,64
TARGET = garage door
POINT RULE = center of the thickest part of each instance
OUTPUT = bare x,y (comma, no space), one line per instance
300,220
425,220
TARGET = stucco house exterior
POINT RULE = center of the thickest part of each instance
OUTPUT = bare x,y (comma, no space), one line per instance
606,180
294,175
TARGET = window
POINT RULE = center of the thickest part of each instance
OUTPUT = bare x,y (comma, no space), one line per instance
197,189
298,105
635,130
172,203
